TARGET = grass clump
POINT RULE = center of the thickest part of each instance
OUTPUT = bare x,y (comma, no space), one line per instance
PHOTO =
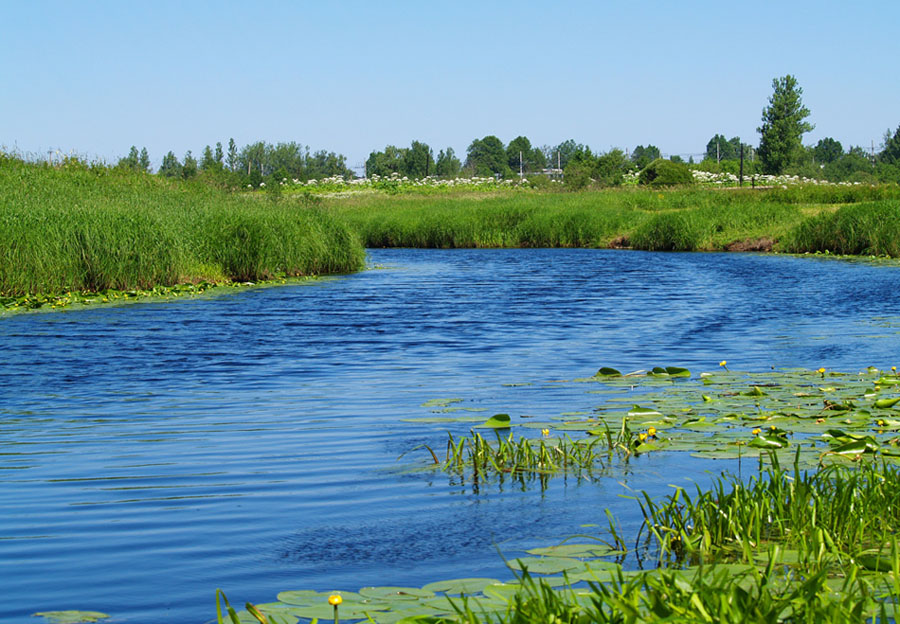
74,228
870,229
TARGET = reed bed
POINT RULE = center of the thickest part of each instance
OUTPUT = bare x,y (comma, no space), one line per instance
74,228
870,229
670,220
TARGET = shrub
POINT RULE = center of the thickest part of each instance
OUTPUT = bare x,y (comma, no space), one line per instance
661,172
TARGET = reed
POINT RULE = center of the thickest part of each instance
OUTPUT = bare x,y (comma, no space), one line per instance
77,228
871,229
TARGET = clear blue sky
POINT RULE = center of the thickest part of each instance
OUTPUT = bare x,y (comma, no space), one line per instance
98,77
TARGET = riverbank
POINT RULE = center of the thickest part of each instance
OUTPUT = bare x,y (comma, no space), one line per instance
77,229
793,220
74,228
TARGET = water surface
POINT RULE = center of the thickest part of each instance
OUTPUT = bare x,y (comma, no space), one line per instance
150,453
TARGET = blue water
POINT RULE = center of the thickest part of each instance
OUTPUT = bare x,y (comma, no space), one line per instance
150,453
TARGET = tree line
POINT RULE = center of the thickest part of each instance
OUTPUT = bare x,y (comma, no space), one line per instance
780,150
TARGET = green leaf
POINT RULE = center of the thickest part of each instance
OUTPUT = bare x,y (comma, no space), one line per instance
497,421
608,372
460,586
545,565
886,403
71,617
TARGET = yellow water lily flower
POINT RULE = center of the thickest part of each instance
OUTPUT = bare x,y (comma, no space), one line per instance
651,431
642,437
757,431
723,363
545,432
335,599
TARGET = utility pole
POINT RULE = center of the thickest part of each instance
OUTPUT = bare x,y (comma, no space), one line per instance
521,174
742,166
718,159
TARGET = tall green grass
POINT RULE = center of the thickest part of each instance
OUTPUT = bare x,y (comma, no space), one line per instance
75,228
871,228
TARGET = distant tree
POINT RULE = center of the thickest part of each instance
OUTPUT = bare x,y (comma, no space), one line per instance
207,160
447,165
487,157
719,148
532,158
324,164
611,167
288,160
675,158
132,161
643,156
563,152
386,162
418,160
783,125
254,157
232,160
170,167
144,160
189,168
827,150
891,152
220,156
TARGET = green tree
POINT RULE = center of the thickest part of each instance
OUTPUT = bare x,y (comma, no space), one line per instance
386,162
189,168
563,152
532,158
207,161
827,150
487,156
220,156
643,156
447,165
611,168
783,125
170,167
719,148
891,152
132,161
232,160
144,160
418,160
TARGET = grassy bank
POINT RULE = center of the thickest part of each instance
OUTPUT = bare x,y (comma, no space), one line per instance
73,228
671,220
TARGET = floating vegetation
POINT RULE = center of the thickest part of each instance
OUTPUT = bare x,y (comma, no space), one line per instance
788,546
72,617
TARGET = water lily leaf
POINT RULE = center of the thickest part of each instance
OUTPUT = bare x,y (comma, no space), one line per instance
396,593
637,410
545,565
460,586
677,371
856,447
497,421
581,551
440,402
765,441
71,617
755,391
886,403
608,372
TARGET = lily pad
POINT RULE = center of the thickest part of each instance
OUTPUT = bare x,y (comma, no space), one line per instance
460,586
581,551
545,565
497,421
71,617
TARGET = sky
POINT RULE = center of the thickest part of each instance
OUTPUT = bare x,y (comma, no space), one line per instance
96,77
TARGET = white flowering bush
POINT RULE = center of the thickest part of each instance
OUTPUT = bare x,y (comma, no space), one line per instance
397,183
729,179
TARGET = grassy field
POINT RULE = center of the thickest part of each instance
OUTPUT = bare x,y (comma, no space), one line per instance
80,229
671,220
